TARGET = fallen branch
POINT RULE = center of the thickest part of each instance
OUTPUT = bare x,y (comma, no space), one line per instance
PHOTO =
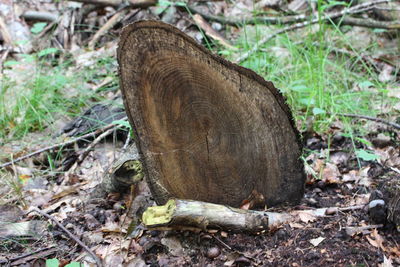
116,18
352,231
118,3
71,235
370,23
391,124
3,58
5,33
50,250
200,21
178,213
255,20
39,15
330,16
84,154
92,134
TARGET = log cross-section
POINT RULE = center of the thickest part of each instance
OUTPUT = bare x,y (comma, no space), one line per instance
206,128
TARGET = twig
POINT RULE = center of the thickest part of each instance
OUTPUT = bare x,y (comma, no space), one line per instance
84,154
117,3
98,131
329,16
392,124
202,23
356,207
101,2
30,253
395,170
5,33
117,17
370,23
71,235
255,20
3,58
222,242
127,141
39,15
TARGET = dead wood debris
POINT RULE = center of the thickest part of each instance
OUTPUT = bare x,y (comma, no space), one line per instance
106,27
24,258
178,213
105,14
71,235
330,16
391,124
108,128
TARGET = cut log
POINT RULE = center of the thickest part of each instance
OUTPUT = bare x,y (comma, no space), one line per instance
206,128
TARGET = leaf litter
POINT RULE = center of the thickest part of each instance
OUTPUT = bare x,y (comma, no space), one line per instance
338,177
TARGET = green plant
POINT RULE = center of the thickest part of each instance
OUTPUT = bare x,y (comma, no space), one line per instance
55,263
32,99
318,82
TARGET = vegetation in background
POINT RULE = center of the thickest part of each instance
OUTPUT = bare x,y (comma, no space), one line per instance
318,81
45,87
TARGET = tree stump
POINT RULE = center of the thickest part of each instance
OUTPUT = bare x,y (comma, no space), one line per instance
206,128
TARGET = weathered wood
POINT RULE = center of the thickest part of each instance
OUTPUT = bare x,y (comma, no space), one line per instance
206,128
181,213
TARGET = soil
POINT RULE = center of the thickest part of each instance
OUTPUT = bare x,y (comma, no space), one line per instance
320,241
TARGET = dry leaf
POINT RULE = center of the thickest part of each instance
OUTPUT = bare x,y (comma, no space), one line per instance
316,241
376,240
387,262
306,216
331,174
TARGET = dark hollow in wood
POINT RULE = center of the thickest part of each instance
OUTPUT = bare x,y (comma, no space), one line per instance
206,128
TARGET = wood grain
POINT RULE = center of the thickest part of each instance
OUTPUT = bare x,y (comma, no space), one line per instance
206,129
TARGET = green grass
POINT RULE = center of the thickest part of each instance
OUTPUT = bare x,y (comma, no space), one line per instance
319,82
37,92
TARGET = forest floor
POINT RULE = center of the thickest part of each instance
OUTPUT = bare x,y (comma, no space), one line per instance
60,61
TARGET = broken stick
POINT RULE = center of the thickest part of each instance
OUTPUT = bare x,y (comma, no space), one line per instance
178,214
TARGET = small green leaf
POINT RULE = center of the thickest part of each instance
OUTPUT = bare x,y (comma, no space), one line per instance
307,101
366,156
364,141
317,111
224,52
38,27
122,123
47,51
299,88
379,30
52,262
365,84
10,63
73,264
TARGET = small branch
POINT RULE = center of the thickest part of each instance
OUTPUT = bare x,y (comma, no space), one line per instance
127,141
330,16
71,235
3,58
255,20
370,23
30,254
118,3
39,15
98,131
392,124
101,2
90,147
5,33
117,17
202,23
